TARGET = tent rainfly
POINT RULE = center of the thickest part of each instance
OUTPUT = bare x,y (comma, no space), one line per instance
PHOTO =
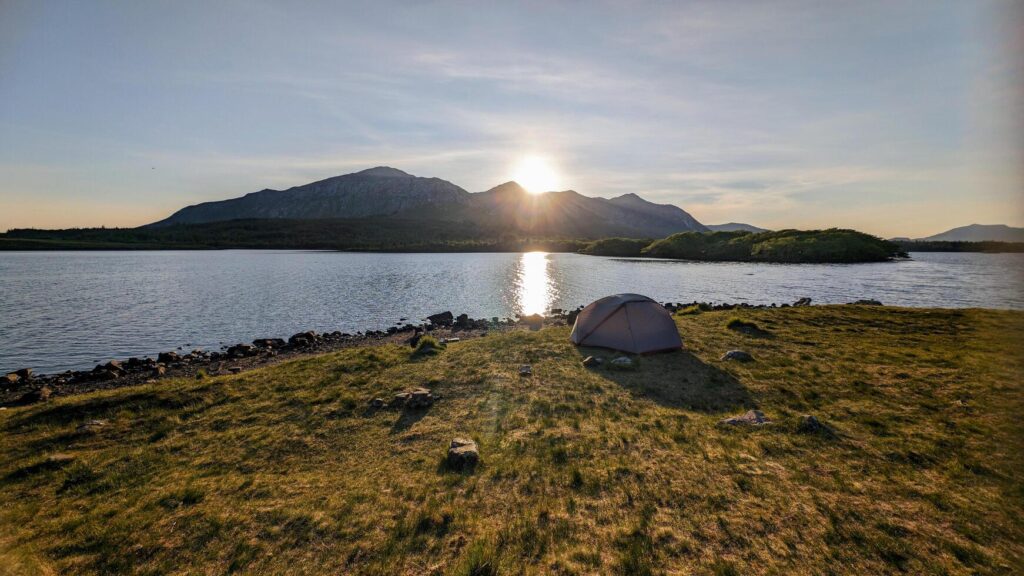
626,322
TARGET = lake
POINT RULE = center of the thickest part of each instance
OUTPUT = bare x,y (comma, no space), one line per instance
70,310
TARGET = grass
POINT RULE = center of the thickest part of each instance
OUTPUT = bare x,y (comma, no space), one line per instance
584,471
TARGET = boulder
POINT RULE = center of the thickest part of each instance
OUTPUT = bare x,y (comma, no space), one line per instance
802,302
399,400
235,369
377,403
441,319
40,395
159,370
168,357
810,425
533,321
525,370
462,321
867,303
738,355
463,454
25,374
269,343
591,361
12,378
750,418
302,339
242,350
419,398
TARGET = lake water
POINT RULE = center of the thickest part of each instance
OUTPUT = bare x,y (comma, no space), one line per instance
70,310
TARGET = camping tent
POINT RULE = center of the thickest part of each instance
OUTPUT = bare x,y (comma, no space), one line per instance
627,322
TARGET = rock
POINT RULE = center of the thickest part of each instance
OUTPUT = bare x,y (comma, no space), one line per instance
377,403
159,370
738,355
419,398
105,374
12,378
534,321
867,303
25,374
591,361
399,400
622,362
269,343
235,369
463,454
414,339
41,395
307,338
525,370
462,321
750,418
570,317
168,357
242,350
810,425
442,319
802,302
91,425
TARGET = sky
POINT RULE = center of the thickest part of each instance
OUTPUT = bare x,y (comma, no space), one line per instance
895,118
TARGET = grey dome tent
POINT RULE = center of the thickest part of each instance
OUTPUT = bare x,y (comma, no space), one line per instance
626,322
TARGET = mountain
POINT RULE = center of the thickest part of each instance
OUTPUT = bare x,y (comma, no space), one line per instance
393,195
979,233
569,214
734,227
374,192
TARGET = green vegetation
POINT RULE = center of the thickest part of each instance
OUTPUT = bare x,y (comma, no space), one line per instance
788,246
615,247
942,246
370,234
792,246
584,471
427,345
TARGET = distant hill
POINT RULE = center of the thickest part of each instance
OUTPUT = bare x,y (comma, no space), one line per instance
508,209
979,233
734,227
374,192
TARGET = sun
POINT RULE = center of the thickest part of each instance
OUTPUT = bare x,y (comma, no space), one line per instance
536,175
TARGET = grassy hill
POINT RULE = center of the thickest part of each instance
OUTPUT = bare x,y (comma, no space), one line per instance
584,471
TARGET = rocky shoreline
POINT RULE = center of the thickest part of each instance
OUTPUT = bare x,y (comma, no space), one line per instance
24,387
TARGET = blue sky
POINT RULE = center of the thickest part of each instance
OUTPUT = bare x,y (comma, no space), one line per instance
896,118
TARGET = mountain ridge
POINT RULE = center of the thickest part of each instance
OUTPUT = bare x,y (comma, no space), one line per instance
385,192
978,233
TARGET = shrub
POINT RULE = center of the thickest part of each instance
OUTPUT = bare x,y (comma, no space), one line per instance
428,345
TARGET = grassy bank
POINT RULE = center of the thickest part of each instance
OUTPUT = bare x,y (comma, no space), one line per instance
584,471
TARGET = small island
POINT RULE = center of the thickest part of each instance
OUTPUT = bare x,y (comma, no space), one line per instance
832,246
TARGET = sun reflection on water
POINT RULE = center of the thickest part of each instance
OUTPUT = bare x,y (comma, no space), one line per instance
534,289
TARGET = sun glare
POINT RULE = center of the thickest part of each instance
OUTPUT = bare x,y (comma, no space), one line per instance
536,174
534,288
